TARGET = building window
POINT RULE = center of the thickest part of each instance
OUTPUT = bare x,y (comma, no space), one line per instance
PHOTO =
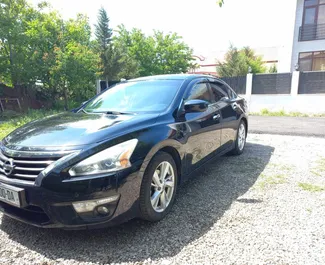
313,22
314,12
312,61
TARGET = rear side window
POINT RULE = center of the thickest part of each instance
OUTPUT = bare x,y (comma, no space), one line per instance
200,91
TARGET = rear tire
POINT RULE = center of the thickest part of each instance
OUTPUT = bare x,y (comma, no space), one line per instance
158,188
240,140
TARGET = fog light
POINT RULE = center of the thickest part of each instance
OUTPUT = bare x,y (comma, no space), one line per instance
89,206
103,210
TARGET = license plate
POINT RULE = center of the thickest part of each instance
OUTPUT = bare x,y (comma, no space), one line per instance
12,195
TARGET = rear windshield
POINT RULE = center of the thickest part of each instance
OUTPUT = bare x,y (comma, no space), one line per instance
138,96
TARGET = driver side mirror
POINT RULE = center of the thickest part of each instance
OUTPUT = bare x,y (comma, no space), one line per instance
195,105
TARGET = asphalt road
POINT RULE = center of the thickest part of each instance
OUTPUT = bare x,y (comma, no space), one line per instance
287,126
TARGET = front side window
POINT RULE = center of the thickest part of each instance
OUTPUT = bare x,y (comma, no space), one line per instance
312,61
136,96
219,91
200,91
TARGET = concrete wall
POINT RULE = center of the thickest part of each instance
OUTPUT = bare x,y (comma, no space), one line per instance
303,46
309,104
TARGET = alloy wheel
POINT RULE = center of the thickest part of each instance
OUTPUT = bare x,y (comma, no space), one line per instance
241,136
162,186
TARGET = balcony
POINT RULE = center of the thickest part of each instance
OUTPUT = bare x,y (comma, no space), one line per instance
312,32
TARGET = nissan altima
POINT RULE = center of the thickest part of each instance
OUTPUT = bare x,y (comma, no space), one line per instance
122,154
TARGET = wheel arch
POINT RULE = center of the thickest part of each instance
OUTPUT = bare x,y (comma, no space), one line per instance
177,158
171,147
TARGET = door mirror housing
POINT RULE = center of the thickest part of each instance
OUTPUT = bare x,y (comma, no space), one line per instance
195,105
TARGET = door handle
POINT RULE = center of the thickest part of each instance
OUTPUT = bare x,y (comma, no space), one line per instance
216,117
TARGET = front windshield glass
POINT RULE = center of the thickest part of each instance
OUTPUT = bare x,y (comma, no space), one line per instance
137,96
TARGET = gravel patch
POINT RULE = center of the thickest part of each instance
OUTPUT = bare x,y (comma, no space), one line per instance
238,210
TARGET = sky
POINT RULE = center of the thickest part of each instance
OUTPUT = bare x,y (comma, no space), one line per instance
204,26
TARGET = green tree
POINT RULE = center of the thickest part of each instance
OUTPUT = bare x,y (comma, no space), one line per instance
44,34
103,35
36,44
62,59
119,65
155,54
220,2
74,72
239,62
14,44
172,55
273,69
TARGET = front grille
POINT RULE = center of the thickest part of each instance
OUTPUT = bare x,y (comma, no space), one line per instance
24,168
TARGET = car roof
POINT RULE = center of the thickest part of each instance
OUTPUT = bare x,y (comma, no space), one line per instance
173,77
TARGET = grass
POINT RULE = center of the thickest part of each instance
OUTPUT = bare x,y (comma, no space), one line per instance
321,164
282,167
275,179
319,169
315,172
13,120
277,175
311,187
282,113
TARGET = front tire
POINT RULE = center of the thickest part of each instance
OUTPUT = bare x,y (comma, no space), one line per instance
240,140
158,188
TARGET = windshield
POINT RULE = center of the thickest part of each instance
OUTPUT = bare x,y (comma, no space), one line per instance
138,96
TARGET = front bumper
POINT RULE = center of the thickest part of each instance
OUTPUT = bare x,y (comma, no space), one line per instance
50,208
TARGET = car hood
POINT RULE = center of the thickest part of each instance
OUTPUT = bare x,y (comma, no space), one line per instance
76,129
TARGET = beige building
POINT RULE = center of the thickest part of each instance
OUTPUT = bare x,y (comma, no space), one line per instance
208,62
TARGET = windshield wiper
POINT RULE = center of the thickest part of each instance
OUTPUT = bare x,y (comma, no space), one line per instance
113,112
118,112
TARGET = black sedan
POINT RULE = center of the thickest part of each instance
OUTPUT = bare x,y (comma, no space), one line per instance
122,154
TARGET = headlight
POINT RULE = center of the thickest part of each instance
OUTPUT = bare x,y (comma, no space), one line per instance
112,159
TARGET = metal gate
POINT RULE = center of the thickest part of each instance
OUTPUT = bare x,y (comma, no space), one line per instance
312,82
272,83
